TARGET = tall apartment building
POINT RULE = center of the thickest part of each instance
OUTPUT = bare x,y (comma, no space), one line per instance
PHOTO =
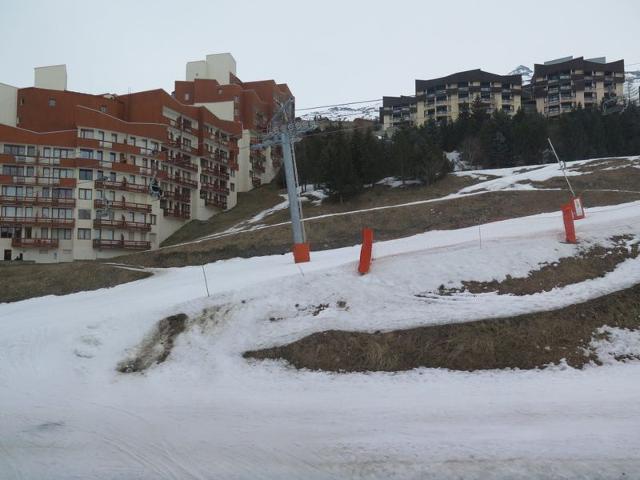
442,99
398,112
561,85
79,173
212,83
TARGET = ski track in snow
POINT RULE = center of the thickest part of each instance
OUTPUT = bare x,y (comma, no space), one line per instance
207,413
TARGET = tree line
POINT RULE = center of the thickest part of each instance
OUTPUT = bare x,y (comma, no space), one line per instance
345,160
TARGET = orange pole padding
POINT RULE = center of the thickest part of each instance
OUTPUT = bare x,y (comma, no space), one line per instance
577,208
365,251
569,228
301,252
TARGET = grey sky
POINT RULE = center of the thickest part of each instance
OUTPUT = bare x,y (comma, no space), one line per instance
327,51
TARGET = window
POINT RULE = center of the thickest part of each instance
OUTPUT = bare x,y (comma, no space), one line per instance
52,102
103,108
86,133
86,153
152,219
84,234
21,100
232,187
100,135
99,155
187,97
84,194
85,174
114,137
112,157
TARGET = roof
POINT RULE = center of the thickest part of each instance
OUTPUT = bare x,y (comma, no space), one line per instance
476,75
578,64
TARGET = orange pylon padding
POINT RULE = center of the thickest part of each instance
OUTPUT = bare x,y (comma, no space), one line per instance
301,252
365,251
569,228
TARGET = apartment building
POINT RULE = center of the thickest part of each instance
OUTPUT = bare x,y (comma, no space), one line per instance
398,112
212,83
442,99
93,176
561,85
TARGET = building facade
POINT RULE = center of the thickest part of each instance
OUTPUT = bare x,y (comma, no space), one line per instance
93,176
562,85
398,112
443,99
212,83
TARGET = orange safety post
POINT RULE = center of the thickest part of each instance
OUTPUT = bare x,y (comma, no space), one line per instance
569,228
365,251
577,208
301,252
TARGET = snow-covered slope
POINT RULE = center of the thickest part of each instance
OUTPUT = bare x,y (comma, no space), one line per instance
208,413
367,110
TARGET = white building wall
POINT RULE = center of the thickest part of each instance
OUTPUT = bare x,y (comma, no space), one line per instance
222,110
243,176
8,104
219,66
197,69
52,77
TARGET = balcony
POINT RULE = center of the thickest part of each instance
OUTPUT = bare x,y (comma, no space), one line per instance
122,244
177,197
40,221
37,180
214,172
212,187
122,205
41,243
213,202
122,185
29,160
122,224
37,200
186,182
256,182
182,162
176,213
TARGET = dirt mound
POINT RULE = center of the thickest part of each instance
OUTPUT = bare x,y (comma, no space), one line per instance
590,263
526,341
157,346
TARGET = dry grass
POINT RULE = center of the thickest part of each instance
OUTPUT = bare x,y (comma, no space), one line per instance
249,204
24,281
344,230
590,263
526,342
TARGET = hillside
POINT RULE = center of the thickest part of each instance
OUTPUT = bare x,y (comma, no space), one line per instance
489,350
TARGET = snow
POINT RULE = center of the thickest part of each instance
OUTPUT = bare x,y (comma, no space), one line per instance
207,413
395,182
615,343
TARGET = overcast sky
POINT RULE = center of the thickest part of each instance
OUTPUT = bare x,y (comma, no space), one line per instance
327,51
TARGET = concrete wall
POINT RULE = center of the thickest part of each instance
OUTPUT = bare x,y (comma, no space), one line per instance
219,66
53,77
222,110
8,104
197,69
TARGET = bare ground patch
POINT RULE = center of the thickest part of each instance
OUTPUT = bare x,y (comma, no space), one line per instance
157,345
22,281
590,263
527,341
389,223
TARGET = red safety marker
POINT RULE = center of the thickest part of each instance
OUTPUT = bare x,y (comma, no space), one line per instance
301,252
365,251
569,228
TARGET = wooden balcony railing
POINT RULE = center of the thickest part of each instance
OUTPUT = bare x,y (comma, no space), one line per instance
122,205
122,244
42,243
122,185
37,220
37,200
122,224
